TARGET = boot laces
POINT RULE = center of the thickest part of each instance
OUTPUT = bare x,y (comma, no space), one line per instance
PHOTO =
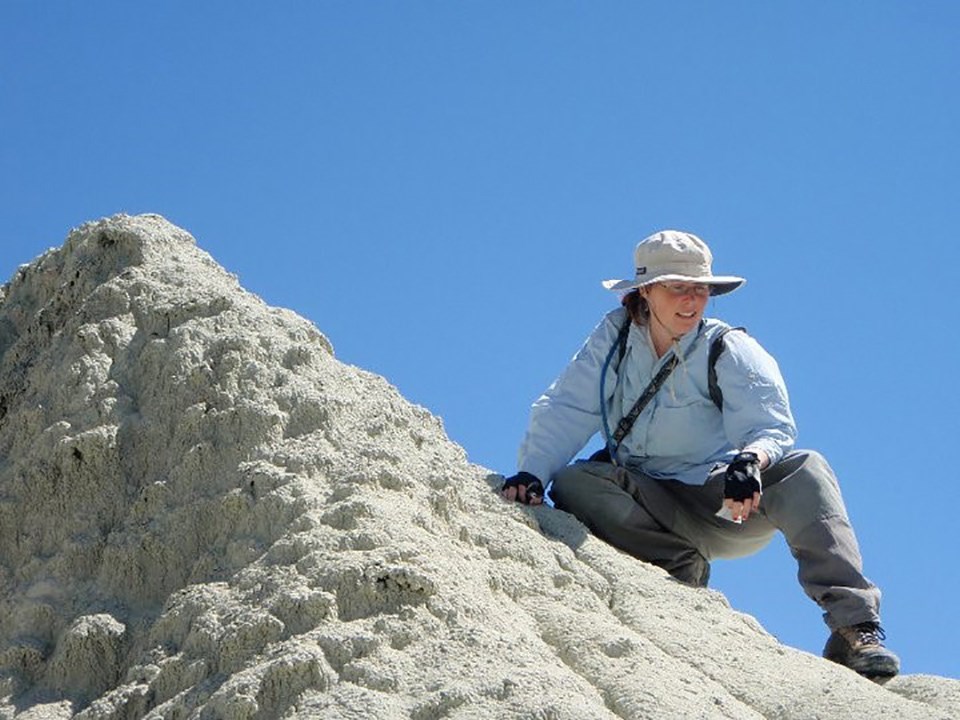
870,633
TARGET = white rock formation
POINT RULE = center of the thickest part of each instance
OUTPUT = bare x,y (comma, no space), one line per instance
203,514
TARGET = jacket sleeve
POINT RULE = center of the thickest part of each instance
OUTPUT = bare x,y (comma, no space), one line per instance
756,407
567,415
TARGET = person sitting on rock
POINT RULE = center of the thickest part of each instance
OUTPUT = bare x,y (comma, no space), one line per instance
694,440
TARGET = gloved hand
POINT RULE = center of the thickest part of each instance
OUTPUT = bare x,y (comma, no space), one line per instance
743,477
523,487
742,487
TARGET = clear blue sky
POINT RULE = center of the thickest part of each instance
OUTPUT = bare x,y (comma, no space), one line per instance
441,186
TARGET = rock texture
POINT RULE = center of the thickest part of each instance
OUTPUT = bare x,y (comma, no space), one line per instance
203,514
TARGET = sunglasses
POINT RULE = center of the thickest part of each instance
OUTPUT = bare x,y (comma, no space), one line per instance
679,289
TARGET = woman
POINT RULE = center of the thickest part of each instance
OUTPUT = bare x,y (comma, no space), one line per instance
694,443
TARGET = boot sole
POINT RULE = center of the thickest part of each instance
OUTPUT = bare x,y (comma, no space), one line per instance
880,670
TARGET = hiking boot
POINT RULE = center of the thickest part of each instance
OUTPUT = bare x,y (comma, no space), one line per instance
859,647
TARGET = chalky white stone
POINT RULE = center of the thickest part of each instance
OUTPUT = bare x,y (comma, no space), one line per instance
203,513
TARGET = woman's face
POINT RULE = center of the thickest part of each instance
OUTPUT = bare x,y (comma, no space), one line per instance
677,307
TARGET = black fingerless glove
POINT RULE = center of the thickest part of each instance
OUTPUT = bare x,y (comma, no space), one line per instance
743,477
524,479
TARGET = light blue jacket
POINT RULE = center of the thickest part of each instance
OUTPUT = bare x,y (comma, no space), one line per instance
680,434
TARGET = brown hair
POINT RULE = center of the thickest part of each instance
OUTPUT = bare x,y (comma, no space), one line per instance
636,306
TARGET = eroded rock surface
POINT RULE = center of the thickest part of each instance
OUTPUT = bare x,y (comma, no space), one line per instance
204,514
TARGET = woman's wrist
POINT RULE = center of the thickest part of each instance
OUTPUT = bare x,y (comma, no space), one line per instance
761,456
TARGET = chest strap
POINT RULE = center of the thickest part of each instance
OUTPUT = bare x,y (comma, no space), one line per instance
626,422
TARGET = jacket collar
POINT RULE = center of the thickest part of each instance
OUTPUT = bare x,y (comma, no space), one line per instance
686,342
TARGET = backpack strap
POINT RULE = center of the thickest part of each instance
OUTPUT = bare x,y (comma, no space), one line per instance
619,348
622,340
626,422
716,348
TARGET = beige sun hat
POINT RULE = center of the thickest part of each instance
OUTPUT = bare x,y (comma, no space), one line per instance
674,256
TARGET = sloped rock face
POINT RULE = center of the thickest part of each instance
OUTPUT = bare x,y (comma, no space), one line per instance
203,514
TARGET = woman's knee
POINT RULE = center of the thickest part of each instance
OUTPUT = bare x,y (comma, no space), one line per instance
805,465
592,498
816,464
804,489
573,482
561,486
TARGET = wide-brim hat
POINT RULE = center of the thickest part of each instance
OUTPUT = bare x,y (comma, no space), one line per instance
674,256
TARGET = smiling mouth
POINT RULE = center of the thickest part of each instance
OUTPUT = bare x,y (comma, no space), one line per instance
687,316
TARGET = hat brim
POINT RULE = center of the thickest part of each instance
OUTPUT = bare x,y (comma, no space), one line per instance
719,284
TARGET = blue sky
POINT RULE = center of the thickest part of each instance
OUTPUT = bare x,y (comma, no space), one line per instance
441,186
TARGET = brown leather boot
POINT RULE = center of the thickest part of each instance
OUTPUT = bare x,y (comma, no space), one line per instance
860,648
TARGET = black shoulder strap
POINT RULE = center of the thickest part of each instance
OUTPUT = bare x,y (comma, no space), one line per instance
626,422
622,340
716,348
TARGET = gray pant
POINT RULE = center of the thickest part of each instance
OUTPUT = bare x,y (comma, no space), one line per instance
674,526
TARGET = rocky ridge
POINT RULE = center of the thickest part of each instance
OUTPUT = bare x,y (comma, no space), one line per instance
204,514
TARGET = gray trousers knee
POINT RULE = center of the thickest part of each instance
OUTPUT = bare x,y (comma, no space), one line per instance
674,526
